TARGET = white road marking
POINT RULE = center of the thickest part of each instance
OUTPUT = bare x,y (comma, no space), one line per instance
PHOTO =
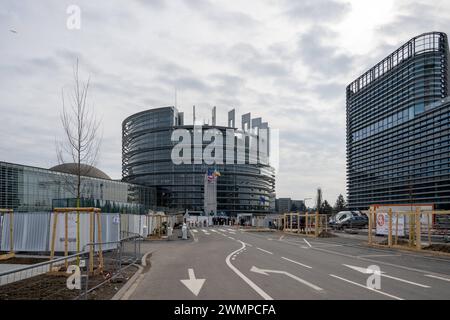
195,231
366,287
301,264
405,281
264,250
248,244
383,274
231,238
378,255
281,238
309,245
436,277
266,272
193,284
258,290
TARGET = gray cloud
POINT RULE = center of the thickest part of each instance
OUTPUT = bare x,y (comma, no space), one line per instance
317,10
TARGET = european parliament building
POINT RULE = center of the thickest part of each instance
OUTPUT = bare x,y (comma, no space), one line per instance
147,160
398,128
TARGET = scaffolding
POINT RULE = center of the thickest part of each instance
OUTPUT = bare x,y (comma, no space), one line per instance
94,214
415,228
310,224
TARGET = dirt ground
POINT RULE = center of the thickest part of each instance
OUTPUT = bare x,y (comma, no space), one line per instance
23,260
53,287
439,247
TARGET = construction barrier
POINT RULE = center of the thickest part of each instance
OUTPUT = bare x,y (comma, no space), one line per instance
7,219
80,227
414,227
314,224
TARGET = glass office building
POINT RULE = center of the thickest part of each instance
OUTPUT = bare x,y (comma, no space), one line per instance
147,147
30,189
398,128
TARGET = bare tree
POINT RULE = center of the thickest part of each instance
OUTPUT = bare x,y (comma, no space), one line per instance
81,141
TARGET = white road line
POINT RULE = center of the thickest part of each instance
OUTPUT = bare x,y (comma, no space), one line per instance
195,231
281,238
378,255
258,290
301,264
368,288
231,238
264,250
405,281
309,245
204,231
248,244
436,277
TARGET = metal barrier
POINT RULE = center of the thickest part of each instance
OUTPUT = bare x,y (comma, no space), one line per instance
49,279
303,223
3,212
415,229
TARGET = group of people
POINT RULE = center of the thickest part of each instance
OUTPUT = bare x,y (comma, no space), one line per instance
219,221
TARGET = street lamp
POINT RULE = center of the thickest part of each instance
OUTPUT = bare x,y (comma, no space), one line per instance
304,202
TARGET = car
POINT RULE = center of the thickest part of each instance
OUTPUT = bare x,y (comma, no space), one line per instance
348,219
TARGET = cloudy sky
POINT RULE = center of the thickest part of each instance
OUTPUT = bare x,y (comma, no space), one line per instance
288,61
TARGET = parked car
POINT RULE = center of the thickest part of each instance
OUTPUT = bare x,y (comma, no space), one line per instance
348,219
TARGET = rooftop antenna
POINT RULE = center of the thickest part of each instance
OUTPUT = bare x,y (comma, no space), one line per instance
193,114
214,116
175,97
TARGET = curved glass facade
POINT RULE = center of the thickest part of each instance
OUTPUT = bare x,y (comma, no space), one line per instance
395,127
147,149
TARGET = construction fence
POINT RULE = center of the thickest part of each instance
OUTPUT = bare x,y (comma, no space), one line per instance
312,224
71,276
414,227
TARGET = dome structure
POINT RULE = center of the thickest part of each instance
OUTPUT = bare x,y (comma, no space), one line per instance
86,170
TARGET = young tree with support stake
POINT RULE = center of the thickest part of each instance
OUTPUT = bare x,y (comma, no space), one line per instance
81,141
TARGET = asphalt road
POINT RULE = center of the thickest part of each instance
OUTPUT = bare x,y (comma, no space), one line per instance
238,265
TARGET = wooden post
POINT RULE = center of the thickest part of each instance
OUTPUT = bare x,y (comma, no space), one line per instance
99,237
91,240
396,228
370,225
390,228
290,221
11,232
298,223
78,237
316,224
429,226
66,240
52,248
306,223
418,231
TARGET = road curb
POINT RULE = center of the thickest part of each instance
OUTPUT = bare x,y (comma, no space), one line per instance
125,292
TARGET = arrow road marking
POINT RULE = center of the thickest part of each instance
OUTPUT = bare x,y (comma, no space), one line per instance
258,290
193,284
266,272
366,287
309,245
301,264
370,271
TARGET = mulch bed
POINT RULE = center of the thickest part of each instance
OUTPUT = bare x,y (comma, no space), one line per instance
53,287
439,247
23,260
